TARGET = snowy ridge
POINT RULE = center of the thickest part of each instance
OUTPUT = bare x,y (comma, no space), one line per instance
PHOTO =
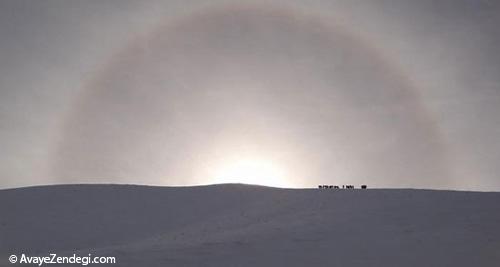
242,225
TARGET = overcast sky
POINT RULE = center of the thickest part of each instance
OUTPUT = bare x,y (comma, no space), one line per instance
389,93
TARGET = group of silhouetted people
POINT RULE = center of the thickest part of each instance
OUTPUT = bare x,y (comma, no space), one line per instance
349,186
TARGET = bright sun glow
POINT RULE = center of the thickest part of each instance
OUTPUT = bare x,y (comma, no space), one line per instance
251,172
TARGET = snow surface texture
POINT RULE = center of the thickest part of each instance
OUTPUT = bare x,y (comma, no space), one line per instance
241,225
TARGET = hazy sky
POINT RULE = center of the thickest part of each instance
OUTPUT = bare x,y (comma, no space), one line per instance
389,93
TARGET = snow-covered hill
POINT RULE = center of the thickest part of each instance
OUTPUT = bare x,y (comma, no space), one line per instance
242,225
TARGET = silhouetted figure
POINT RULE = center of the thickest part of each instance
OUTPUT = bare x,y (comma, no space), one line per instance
335,187
363,186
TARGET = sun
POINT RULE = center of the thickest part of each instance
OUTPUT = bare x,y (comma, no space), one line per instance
251,171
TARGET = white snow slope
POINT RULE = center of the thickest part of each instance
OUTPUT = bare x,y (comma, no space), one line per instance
242,225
